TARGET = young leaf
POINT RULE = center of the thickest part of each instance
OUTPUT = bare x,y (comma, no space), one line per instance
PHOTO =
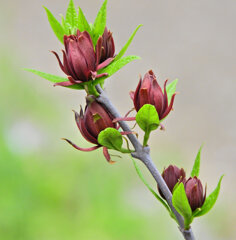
100,22
123,50
56,26
52,78
112,139
65,25
148,186
71,15
196,166
210,200
83,24
114,67
147,118
171,89
181,204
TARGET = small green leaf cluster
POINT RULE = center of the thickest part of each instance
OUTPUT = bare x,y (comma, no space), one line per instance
77,21
180,200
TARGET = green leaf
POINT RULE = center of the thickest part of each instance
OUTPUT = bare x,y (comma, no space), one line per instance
171,89
114,67
72,16
148,186
112,139
123,50
181,204
196,166
100,22
56,26
83,24
210,200
147,118
195,213
53,78
65,25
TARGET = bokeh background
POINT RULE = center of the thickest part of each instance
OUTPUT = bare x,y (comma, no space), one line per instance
49,191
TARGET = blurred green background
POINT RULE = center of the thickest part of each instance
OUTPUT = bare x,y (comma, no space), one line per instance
49,191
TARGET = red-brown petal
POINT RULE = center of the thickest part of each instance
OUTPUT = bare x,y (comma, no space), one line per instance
86,46
98,50
60,63
68,68
169,107
165,105
64,84
81,149
105,63
107,155
136,95
83,130
157,98
78,61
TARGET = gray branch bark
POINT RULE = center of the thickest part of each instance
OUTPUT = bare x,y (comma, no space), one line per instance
143,154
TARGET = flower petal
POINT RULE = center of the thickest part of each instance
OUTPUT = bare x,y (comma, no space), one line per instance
105,63
82,127
107,155
98,50
64,84
169,107
60,63
81,149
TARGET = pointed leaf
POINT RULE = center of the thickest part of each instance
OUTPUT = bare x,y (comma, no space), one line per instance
210,200
123,50
72,16
56,26
100,22
53,78
147,118
181,204
171,89
148,186
114,67
83,24
196,166
65,25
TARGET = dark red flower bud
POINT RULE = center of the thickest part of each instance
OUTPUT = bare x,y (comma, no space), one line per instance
108,46
194,192
80,61
94,120
172,175
148,91
90,123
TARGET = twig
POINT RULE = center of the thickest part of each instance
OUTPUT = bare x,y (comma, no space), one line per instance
143,154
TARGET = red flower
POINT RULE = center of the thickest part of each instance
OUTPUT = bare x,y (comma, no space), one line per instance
194,192
107,46
172,175
80,61
90,123
148,91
